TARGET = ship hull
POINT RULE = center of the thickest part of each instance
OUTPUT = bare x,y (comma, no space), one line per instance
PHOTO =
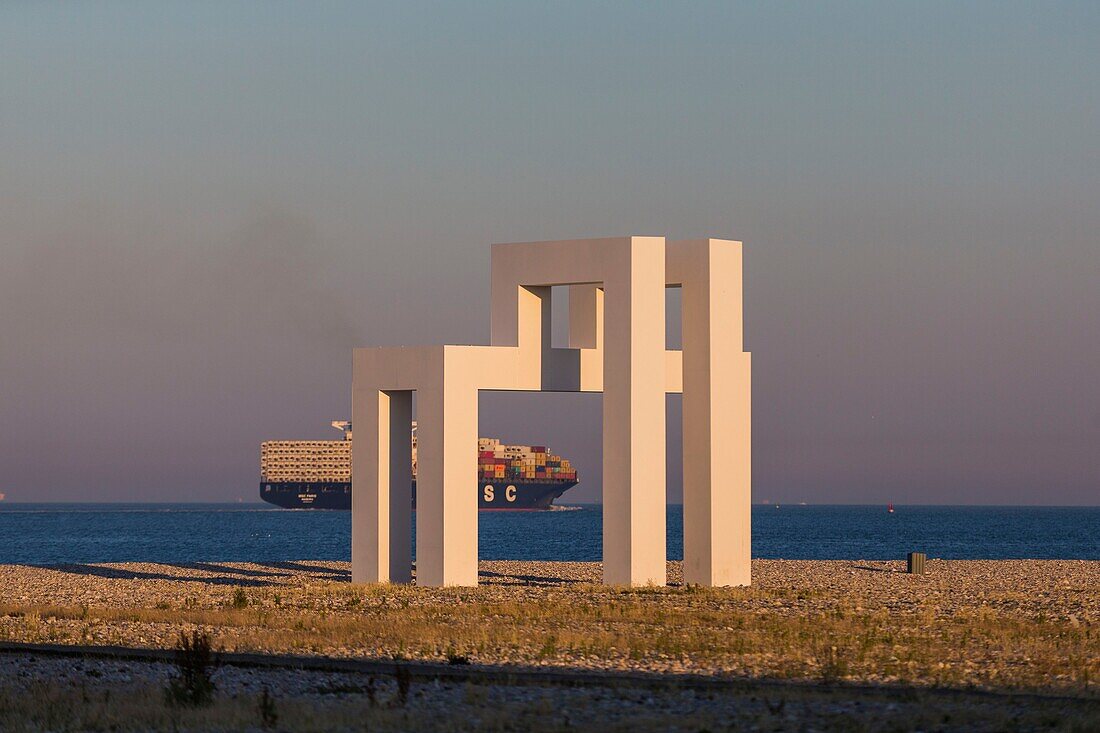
491,496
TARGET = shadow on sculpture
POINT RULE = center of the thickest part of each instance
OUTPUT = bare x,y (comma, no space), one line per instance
617,347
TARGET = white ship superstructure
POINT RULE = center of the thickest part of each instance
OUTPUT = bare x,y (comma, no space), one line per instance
307,460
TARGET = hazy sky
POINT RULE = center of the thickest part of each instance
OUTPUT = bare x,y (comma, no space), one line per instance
204,207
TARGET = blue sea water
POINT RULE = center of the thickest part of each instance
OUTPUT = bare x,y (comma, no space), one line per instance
88,533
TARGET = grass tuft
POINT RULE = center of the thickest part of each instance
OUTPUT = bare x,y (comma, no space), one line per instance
194,659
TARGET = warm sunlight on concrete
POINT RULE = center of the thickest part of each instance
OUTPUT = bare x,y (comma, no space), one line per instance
616,337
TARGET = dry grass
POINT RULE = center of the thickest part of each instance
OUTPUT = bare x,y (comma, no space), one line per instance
471,707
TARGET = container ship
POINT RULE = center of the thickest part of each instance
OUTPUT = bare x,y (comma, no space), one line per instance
316,474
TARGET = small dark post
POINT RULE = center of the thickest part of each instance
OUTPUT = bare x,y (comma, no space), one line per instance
915,563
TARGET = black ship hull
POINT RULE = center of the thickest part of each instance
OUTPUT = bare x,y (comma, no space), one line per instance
491,496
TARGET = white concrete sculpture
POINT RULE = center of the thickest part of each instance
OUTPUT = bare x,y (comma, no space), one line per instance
616,346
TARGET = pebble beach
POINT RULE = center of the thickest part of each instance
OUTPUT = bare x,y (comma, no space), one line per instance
1035,585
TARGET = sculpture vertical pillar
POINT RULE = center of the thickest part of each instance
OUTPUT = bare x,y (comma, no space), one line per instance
381,505
717,414
446,505
634,416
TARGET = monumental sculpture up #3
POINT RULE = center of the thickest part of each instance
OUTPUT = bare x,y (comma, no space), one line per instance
616,346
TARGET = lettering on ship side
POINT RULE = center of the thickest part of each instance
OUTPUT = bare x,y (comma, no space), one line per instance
488,494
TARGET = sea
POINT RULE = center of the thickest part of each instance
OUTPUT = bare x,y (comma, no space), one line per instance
51,534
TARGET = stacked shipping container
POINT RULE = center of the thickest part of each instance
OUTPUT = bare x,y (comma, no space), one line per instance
496,461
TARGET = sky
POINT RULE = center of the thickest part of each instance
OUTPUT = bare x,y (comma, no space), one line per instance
205,206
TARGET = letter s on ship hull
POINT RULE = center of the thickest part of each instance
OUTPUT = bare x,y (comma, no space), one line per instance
316,474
